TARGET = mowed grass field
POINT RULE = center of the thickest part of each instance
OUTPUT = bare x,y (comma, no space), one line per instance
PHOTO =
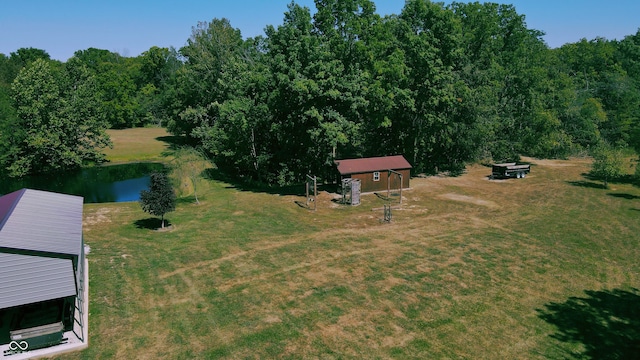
138,145
545,267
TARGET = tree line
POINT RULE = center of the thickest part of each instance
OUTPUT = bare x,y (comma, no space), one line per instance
444,85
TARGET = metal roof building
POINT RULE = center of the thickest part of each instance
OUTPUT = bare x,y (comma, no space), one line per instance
26,279
374,172
41,266
365,165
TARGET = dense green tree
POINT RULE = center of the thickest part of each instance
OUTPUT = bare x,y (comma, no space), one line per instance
506,68
582,122
117,89
7,111
21,58
157,66
160,199
441,84
95,59
57,124
429,36
316,103
7,72
597,69
628,54
155,90
213,48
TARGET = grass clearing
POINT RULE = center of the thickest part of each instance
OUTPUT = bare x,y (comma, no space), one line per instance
139,144
468,268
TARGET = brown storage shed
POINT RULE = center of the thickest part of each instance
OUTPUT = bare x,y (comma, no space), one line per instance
374,173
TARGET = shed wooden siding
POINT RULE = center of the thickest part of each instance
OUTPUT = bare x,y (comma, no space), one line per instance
364,169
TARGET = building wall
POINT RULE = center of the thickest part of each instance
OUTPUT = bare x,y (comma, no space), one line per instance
369,185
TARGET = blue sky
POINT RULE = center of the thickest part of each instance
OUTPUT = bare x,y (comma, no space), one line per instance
130,27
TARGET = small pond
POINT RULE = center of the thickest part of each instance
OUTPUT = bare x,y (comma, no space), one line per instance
101,184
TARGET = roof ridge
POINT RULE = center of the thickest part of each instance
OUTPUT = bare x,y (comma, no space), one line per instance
12,200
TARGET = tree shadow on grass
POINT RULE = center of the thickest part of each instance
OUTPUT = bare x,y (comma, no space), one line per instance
303,205
174,141
187,200
624,196
240,184
151,223
627,179
606,322
587,184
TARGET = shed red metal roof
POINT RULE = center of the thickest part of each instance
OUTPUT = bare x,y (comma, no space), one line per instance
355,166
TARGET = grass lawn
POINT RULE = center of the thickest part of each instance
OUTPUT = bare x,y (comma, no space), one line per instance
139,144
544,267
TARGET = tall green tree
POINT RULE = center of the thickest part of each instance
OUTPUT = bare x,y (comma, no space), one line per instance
212,49
430,37
506,67
57,124
316,100
598,69
117,89
155,85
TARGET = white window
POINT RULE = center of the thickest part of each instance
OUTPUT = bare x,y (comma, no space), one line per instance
376,176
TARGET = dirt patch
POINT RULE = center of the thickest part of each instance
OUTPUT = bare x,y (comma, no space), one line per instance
558,163
389,282
400,337
322,275
100,216
167,228
272,319
469,199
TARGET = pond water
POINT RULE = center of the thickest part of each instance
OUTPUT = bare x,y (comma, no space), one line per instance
101,184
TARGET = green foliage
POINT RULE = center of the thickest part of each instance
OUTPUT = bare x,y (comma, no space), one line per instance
57,123
189,164
609,163
443,85
160,198
605,71
132,91
582,122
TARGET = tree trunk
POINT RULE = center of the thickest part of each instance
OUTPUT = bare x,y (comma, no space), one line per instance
195,194
162,221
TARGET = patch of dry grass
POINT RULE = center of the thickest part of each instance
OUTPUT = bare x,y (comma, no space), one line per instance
464,270
138,144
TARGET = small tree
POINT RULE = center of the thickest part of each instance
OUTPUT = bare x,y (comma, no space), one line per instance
160,198
608,163
189,163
